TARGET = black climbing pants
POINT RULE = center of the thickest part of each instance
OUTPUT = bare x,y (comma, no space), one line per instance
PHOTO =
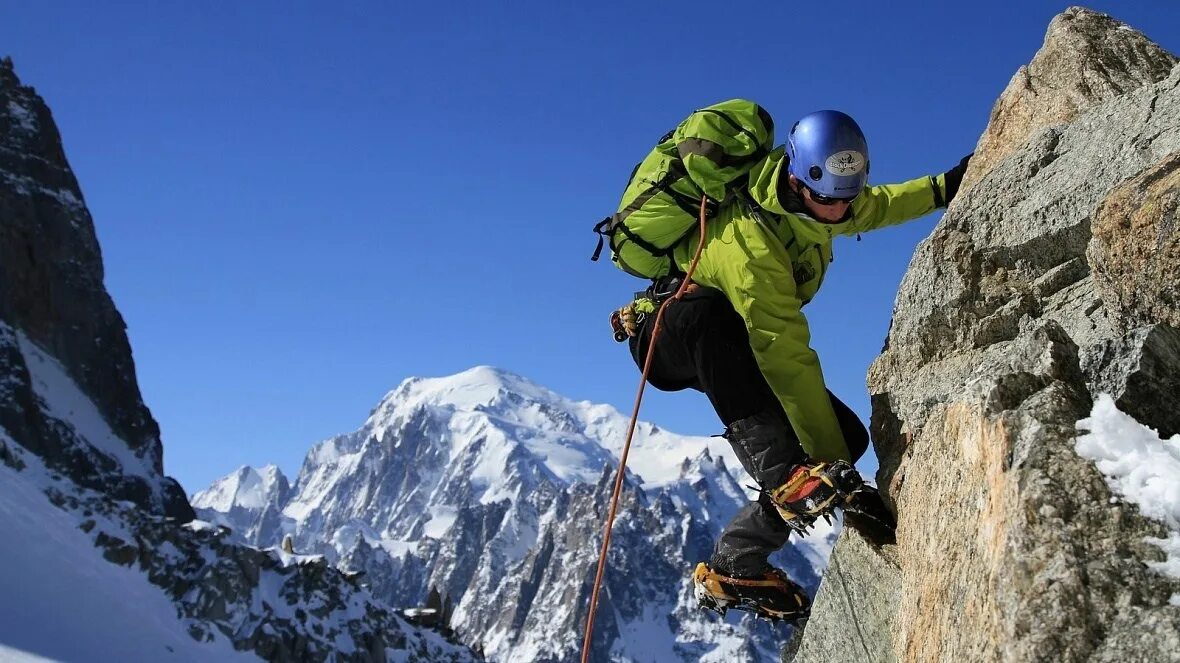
704,346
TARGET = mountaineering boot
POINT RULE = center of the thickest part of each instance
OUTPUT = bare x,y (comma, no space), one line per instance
770,595
866,510
814,489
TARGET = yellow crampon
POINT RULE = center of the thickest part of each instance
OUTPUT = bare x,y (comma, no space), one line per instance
772,596
814,490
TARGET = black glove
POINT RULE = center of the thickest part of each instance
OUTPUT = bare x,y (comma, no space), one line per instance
954,177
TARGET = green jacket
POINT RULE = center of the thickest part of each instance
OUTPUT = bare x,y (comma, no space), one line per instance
770,260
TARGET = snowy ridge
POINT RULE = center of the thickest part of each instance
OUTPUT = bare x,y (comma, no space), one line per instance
246,502
88,578
95,607
567,436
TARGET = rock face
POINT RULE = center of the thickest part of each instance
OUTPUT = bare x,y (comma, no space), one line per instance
52,293
1052,278
1135,249
1087,58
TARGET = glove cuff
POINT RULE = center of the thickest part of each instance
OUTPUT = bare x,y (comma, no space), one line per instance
954,177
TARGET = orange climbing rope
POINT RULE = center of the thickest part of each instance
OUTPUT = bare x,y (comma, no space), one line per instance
614,499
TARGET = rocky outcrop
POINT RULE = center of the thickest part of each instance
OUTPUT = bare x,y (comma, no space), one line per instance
1087,58
1134,250
1052,278
52,293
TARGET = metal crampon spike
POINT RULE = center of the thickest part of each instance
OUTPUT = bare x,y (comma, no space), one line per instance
799,526
710,604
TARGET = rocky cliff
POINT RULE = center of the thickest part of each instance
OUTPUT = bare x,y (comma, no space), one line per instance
1053,278
52,295
81,471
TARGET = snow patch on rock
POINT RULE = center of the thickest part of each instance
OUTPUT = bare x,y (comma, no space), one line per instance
1139,466
62,399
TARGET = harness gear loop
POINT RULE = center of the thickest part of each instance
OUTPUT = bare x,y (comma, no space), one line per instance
618,489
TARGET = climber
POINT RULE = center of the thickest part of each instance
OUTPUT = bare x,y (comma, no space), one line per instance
739,335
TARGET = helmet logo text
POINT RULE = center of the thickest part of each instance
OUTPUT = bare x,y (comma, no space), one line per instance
848,162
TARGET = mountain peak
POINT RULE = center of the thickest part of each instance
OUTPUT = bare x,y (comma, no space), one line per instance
245,487
474,389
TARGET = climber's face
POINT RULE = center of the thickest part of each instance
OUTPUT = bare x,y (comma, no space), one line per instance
821,208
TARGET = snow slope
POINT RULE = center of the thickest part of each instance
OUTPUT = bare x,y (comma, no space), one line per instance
61,600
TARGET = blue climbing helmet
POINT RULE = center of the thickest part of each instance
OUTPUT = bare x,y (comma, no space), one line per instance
829,154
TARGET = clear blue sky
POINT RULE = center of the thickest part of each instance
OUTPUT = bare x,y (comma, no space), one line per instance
301,204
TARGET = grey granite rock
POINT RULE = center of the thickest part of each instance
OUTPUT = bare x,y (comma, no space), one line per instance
857,602
1139,371
1048,280
1135,248
1087,58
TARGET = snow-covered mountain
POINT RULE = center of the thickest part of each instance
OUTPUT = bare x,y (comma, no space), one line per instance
247,501
494,490
247,489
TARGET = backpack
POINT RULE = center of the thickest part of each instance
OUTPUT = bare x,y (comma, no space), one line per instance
709,154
